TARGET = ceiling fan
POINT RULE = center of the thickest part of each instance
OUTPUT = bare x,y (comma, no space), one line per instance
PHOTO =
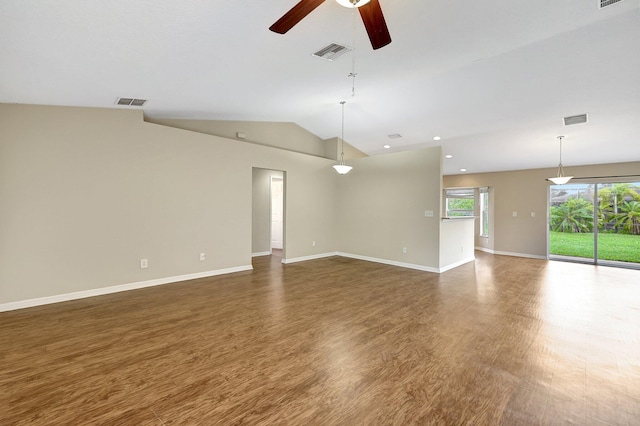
370,12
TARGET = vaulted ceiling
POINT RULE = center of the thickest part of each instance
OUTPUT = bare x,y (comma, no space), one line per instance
493,79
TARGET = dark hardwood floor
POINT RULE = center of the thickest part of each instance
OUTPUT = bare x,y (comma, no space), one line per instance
503,340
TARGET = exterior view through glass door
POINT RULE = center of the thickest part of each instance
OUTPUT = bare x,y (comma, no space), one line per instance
596,223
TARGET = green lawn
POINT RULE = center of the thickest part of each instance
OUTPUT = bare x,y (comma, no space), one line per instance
621,247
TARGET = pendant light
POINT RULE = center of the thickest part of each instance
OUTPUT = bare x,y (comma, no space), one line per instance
342,168
352,3
561,179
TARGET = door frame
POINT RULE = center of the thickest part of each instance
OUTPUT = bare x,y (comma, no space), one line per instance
597,183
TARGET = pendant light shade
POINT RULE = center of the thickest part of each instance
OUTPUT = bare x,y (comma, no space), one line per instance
560,179
352,3
342,168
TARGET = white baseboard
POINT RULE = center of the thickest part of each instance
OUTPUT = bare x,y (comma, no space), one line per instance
508,253
484,249
29,303
262,253
379,260
390,262
304,258
21,304
456,264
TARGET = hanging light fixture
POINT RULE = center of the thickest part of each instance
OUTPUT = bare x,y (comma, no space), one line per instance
352,3
561,179
342,168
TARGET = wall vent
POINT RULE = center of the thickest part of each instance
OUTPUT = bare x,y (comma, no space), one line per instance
332,51
131,101
575,119
605,3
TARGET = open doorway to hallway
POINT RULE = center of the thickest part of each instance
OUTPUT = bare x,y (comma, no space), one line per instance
277,212
268,212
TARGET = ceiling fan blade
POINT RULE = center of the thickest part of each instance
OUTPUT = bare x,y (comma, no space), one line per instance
295,15
375,24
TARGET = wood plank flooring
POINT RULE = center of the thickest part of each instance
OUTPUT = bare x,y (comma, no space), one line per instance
336,341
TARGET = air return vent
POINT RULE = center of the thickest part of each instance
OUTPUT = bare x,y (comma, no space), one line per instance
131,101
332,51
605,3
575,119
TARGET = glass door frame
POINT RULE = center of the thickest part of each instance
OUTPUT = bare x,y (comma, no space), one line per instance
597,183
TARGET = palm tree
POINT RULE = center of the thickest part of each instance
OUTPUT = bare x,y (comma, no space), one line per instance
629,217
575,215
611,198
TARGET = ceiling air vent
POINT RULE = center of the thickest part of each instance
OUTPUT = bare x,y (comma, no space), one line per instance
575,119
131,101
605,3
332,51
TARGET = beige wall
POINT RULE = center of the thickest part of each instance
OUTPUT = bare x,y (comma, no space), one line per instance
287,136
86,193
382,204
334,149
524,192
456,242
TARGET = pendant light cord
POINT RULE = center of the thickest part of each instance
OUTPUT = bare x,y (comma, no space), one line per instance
560,137
560,168
342,137
353,73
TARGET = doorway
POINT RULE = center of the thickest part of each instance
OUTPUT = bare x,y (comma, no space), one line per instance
268,220
277,212
597,223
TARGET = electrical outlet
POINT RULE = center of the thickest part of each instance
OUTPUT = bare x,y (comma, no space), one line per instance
313,244
515,214
203,256
533,214
144,263
404,250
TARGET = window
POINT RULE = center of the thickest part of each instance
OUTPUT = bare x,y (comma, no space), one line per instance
459,202
484,212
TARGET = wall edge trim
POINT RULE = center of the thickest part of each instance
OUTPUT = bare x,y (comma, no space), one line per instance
391,262
456,264
261,253
311,257
526,255
65,297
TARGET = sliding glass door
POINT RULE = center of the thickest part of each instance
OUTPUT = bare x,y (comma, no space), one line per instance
595,223
618,231
571,219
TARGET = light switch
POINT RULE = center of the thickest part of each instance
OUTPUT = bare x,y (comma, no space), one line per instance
428,213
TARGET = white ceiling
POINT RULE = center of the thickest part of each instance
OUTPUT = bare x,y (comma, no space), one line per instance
492,78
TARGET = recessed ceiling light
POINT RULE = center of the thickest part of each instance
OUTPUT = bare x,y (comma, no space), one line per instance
387,146
436,138
448,156
463,170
